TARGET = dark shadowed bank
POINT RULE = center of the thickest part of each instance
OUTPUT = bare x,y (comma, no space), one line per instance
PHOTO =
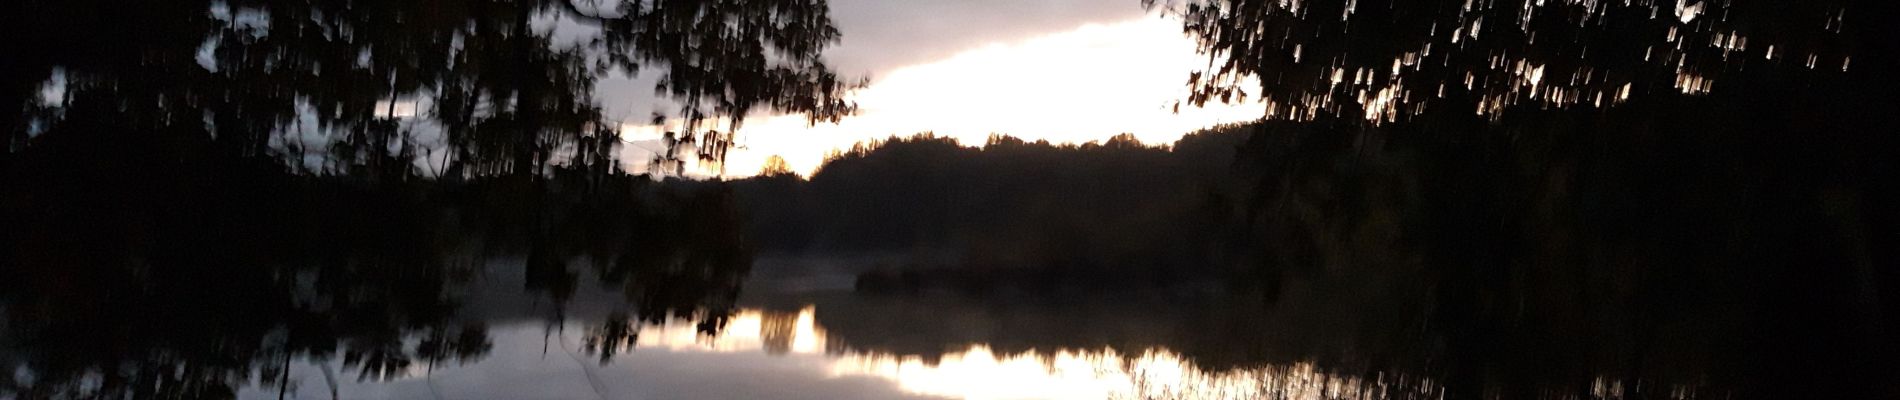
136,277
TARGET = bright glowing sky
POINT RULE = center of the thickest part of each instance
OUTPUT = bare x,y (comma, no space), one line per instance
1082,84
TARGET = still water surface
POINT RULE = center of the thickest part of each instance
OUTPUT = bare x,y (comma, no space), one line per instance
779,346
674,361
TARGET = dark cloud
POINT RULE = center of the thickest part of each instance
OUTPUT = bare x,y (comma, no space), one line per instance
882,35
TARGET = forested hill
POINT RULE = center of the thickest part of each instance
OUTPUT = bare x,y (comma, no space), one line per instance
1119,204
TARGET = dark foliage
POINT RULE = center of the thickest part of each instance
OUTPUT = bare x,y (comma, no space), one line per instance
1011,212
191,281
251,78
194,194
1719,230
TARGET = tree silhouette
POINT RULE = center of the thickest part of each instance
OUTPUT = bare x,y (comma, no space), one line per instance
1573,189
506,94
1387,60
215,190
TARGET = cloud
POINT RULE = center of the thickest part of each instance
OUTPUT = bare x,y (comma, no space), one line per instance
1084,84
1065,71
881,36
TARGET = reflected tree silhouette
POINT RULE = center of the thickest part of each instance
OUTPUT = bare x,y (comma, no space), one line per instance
237,274
616,335
223,284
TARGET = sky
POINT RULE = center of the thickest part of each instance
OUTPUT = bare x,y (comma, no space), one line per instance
1064,71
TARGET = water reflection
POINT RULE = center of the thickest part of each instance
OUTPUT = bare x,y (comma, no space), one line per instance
979,372
798,347
797,339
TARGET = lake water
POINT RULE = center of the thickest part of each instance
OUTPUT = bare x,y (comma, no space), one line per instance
785,342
